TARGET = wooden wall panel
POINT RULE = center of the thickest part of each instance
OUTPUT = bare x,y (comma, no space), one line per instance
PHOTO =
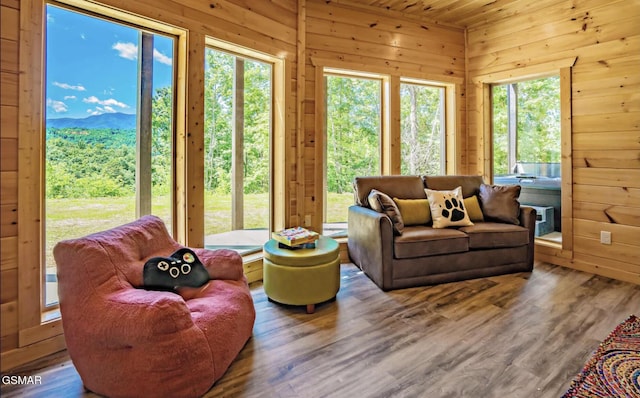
8,154
10,4
9,35
605,38
9,55
8,252
9,93
9,221
8,121
9,331
9,23
9,285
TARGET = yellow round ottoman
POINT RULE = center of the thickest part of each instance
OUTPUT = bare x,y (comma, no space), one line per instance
302,276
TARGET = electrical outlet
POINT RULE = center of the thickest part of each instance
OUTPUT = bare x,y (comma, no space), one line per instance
307,220
605,237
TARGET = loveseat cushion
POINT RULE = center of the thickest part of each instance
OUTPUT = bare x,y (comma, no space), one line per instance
405,187
490,235
423,241
470,184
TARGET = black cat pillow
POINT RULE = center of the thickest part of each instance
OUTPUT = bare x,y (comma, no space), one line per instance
182,268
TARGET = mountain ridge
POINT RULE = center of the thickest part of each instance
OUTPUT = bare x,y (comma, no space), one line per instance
118,121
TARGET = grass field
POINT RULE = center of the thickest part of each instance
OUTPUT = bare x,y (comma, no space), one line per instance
72,218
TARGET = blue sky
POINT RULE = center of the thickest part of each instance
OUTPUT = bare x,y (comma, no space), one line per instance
92,65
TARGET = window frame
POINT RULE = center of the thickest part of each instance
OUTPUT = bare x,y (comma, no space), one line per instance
384,126
483,83
391,140
443,117
276,133
36,321
144,200
513,109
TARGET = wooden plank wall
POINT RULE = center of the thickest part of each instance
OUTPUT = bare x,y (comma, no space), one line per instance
9,35
268,27
605,36
369,40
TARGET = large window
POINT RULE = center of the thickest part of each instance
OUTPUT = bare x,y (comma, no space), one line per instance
109,127
353,126
238,124
527,146
376,123
526,128
422,129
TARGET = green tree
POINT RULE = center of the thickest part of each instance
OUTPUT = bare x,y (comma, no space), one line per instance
218,108
539,120
537,123
353,130
257,123
500,130
161,139
421,129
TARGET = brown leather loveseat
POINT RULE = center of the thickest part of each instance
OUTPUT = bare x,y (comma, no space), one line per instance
423,255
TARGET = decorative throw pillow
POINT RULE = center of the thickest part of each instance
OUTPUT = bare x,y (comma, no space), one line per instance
473,208
447,208
382,203
500,203
181,269
414,211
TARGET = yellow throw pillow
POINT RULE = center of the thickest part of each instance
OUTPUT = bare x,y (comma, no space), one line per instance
414,211
473,208
447,208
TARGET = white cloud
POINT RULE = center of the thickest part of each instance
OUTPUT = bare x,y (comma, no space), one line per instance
91,100
113,102
126,50
83,36
69,97
160,57
69,86
57,106
130,51
108,102
109,109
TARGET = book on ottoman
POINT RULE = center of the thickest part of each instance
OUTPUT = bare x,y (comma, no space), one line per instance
296,238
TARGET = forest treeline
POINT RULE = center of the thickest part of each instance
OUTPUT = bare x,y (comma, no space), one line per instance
102,162
90,163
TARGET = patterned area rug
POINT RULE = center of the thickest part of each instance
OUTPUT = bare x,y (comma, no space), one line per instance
614,369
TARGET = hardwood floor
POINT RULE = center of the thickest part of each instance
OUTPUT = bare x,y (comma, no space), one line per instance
519,335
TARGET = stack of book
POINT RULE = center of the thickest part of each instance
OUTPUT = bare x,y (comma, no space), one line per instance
296,238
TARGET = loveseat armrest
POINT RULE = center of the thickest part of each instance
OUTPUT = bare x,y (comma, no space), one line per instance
370,243
528,220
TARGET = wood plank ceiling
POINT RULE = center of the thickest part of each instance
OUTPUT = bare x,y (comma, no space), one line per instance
461,13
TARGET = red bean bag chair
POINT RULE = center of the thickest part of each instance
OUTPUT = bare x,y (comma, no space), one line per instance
126,340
